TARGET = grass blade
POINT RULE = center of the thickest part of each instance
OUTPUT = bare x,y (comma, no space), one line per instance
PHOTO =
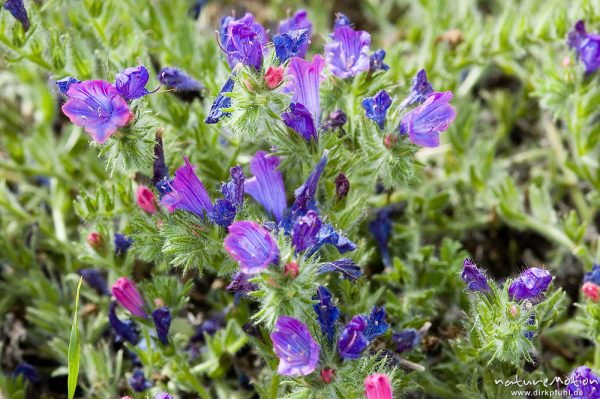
74,348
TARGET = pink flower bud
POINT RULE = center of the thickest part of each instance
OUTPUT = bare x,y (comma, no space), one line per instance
514,311
274,77
94,239
146,199
128,296
390,141
327,374
590,290
291,269
378,386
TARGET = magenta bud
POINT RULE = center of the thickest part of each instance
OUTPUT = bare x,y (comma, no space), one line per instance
145,199
128,296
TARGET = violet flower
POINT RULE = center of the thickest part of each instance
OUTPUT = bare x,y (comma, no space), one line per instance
159,166
252,246
296,349
128,296
420,90
181,84
122,244
342,186
305,230
376,61
187,192
124,330
376,107
530,284
95,279
425,123
474,277
335,120
138,381
328,235
327,312
233,190
406,340
17,9
28,372
305,194
162,323
266,186
131,82
223,212
346,267
341,20
381,228
352,341
593,276
584,384
222,101
64,84
348,53
244,42
240,284
376,324
300,120
378,386
299,21
96,106
290,44
586,46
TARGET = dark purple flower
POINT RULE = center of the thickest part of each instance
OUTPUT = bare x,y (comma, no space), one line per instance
222,101
341,20
593,276
64,84
346,267
122,243
296,349
406,340
162,323
138,381
305,230
164,187
342,186
328,235
305,194
244,42
97,106
252,246
381,228
584,384
181,84
28,372
376,61
159,167
129,297
300,120
240,284
131,82
576,35
348,53
299,21
335,120
421,89
18,11
352,341
376,324
233,190
124,330
95,279
327,312
586,45
530,284
474,277
290,44
266,186
530,333
187,192
425,123
223,212
376,107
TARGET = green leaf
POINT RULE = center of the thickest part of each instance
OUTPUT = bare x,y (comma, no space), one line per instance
74,348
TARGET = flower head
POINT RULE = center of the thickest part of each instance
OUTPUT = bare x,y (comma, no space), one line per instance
64,84
586,45
328,235
181,84
266,186
299,119
162,323
97,106
296,349
145,199
530,284
305,230
584,384
352,341
425,123
131,82
95,279
474,277
244,42
376,107
348,53
376,324
288,45
406,340
128,296
124,330
305,194
421,89
376,61
187,192
590,290
327,312
251,246
18,11
122,244
299,21
378,386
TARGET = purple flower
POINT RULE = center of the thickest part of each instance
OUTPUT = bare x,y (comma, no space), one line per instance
530,333
348,53
420,91
187,192
244,42
266,186
164,395
341,20
425,123
224,26
305,194
122,244
240,284
18,11
305,230
474,277
251,246
290,44
586,46
131,82
28,372
296,349
64,84
299,21
327,312
336,119
97,106
181,84
376,107
222,101
328,235
530,284
593,276
346,267
342,186
352,341
376,61
162,323
223,212
159,167
376,324
128,296
138,381
381,228
406,340
124,330
301,121
233,190
584,384
95,279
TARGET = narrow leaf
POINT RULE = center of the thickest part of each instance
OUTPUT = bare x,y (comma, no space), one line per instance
74,348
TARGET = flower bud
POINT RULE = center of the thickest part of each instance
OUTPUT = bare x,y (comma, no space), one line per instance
378,386
291,269
342,186
474,277
327,374
274,77
590,290
128,296
94,239
145,199
162,322
530,284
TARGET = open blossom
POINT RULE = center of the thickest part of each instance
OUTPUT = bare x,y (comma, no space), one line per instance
187,192
252,246
348,53
296,349
376,107
352,341
305,230
266,186
584,384
530,284
145,199
298,22
425,123
128,296
96,106
378,386
244,41
586,45
131,82
474,277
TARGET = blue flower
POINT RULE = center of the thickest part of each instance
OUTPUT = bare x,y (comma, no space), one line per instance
162,323
377,106
341,20
376,324
18,11
223,212
530,284
266,186
138,381
586,45
406,340
122,243
233,190
300,120
96,280
346,267
296,349
124,330
159,166
28,372
352,341
299,21
305,230
290,44
244,42
181,84
381,228
328,235
421,89
131,82
376,61
222,101
305,194
593,276
64,84
348,53
584,384
327,312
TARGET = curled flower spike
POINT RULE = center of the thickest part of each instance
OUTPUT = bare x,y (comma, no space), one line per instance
474,277
590,290
296,349
64,84
584,384
131,82
124,330
376,107
181,84
145,199
421,89
406,340
96,106
162,323
327,312
251,246
299,21
348,53
18,11
266,186
587,47
222,101
187,192
378,386
128,296
376,61
425,123
352,341
530,284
